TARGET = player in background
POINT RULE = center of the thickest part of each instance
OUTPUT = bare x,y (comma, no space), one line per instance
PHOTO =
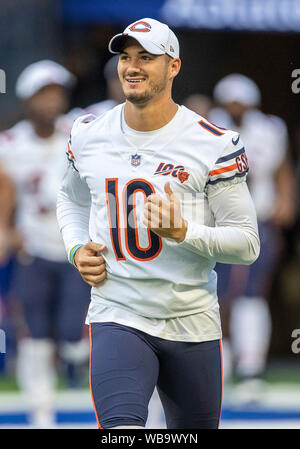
7,205
114,95
54,298
152,198
244,290
199,103
7,238
114,90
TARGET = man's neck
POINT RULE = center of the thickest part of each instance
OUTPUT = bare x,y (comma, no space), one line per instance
149,117
43,131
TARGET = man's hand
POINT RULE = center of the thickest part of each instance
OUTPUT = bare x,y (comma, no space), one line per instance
90,263
163,216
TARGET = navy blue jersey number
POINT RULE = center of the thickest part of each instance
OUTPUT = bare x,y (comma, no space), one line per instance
131,229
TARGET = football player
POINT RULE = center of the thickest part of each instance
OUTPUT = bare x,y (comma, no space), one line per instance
153,197
54,298
243,291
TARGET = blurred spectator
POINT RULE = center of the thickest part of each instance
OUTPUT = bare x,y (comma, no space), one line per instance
7,198
7,203
115,93
244,290
201,104
53,296
114,96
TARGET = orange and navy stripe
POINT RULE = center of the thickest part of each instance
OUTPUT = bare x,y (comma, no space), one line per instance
223,170
212,129
233,167
71,157
229,178
230,156
221,368
90,382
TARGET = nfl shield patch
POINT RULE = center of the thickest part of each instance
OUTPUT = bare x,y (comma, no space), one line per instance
135,160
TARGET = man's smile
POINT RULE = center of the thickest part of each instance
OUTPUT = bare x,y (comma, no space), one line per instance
133,81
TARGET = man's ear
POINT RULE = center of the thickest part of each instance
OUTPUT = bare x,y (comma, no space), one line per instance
175,65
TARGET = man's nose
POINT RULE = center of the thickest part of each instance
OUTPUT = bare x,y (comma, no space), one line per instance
134,66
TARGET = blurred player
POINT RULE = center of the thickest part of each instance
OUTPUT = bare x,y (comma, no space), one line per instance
245,289
154,314
54,299
7,198
114,90
115,96
7,204
201,104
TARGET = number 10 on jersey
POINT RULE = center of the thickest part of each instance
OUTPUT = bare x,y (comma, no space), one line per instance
128,204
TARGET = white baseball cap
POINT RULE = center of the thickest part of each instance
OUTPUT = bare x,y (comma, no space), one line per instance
154,36
41,74
237,87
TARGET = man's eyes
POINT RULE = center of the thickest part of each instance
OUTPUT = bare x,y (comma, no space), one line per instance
144,57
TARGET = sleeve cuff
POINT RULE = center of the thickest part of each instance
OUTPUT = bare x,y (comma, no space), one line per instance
193,232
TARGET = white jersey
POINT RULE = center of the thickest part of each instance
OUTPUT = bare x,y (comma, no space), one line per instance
65,122
101,107
36,166
265,137
154,284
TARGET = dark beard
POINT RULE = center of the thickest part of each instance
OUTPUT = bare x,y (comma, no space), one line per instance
142,99
139,99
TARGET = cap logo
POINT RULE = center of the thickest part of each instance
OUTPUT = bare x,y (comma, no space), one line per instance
171,49
140,26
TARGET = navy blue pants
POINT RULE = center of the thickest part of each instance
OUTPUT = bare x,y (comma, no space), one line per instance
54,299
126,365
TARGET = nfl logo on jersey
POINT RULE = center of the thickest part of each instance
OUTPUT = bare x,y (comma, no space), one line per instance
135,160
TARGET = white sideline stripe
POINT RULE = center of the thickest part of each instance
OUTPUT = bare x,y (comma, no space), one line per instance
224,425
266,424
278,396
79,399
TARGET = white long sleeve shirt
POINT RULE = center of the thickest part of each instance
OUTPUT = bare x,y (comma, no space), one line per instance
164,288
266,139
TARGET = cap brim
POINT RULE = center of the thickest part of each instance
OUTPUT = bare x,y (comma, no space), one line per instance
117,43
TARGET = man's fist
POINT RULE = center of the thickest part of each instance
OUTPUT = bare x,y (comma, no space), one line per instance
163,215
90,263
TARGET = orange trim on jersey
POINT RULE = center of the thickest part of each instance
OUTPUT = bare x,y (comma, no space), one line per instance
221,355
125,223
213,129
223,170
135,224
70,152
118,217
90,383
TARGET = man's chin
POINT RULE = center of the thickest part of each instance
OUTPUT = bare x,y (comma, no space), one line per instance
138,99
